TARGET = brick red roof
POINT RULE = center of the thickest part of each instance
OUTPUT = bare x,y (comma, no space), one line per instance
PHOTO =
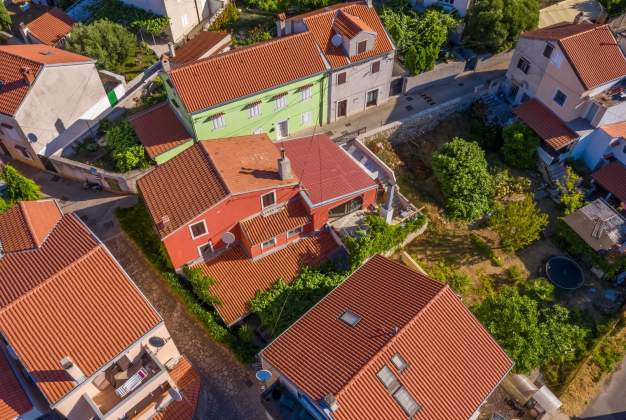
27,224
262,228
200,44
238,277
248,70
612,178
615,130
181,188
545,123
33,56
188,382
325,170
453,362
13,400
352,17
591,50
72,299
159,129
51,26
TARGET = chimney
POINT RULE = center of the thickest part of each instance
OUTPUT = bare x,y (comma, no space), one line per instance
284,166
28,75
165,220
165,63
331,402
578,19
172,50
74,371
282,20
369,4
24,32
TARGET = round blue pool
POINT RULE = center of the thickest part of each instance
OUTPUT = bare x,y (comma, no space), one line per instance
565,273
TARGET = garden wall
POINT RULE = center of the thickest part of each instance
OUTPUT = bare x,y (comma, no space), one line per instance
441,71
487,62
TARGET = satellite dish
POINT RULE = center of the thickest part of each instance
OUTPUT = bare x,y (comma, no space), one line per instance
175,394
157,342
228,238
263,375
337,40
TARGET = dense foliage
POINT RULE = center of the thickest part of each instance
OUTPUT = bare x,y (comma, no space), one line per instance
519,223
571,197
226,19
129,16
507,184
534,334
378,237
614,7
200,284
452,276
254,35
110,44
5,18
520,146
487,134
461,170
125,149
419,38
294,6
494,25
18,188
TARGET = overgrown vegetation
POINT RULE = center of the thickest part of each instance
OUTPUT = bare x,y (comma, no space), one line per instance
18,188
124,147
452,276
483,247
507,185
227,19
614,7
254,35
294,6
5,18
130,16
487,134
571,197
519,223
520,146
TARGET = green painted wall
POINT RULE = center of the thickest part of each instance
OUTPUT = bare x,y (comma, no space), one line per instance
165,156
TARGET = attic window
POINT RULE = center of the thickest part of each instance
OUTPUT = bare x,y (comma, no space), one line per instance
350,318
399,362
361,47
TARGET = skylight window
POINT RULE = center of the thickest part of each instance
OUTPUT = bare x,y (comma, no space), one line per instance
388,379
406,401
399,362
350,318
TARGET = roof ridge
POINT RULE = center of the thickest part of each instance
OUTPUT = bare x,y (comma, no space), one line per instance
30,225
21,57
592,27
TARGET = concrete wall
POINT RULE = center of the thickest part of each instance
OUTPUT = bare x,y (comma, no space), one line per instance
359,81
184,15
11,136
440,72
110,181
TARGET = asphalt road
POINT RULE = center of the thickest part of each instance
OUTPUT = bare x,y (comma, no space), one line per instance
610,404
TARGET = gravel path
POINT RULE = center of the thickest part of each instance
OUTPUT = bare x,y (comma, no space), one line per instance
229,390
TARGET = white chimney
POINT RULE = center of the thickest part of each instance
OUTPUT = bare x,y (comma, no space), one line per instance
165,63
332,403
24,32
369,4
74,371
172,50
284,166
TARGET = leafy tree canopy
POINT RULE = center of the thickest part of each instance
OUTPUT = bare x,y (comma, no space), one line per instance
5,18
518,223
461,170
125,149
571,197
520,146
614,7
107,42
130,16
495,25
19,188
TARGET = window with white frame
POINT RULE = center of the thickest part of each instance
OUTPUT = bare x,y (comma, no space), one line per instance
268,199
306,93
206,249
399,362
198,229
268,244
281,101
305,118
294,232
218,121
254,109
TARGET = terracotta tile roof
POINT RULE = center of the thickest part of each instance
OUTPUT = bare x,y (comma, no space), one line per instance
262,228
188,382
13,399
15,234
244,71
246,163
51,26
615,130
238,277
591,49
74,301
325,170
545,123
181,188
612,178
13,58
200,44
349,25
320,24
453,362
159,129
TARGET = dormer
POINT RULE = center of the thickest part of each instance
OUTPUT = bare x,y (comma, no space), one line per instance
356,36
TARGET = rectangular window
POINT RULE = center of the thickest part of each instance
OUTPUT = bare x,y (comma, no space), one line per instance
560,97
341,78
198,229
375,66
206,249
406,401
306,93
306,118
268,199
294,232
361,47
399,362
281,101
254,109
218,121
547,51
268,244
523,65
388,379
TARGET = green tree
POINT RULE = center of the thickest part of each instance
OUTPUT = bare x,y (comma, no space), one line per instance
520,146
110,44
518,223
19,188
533,335
5,18
571,197
461,170
540,289
495,25
124,147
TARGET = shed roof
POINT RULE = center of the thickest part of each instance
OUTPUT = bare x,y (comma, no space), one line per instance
51,27
612,178
159,129
545,123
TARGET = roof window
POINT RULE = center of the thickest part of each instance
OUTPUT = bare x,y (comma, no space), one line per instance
350,318
406,401
399,362
388,379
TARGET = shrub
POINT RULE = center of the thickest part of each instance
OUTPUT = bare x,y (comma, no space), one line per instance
516,274
130,16
519,223
484,248
461,170
19,188
5,18
572,198
227,19
487,135
257,34
125,149
505,184
540,289
520,146
456,279
200,284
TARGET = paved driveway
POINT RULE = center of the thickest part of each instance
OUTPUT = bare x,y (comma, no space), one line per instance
611,403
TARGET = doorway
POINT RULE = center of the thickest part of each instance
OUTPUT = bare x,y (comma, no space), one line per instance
342,108
282,129
346,208
371,99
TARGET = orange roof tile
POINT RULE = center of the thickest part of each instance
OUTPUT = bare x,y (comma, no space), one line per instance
320,24
245,71
159,129
612,178
41,217
246,163
199,45
453,362
13,400
262,228
238,277
545,123
188,382
591,49
13,88
349,25
172,190
615,130
51,26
